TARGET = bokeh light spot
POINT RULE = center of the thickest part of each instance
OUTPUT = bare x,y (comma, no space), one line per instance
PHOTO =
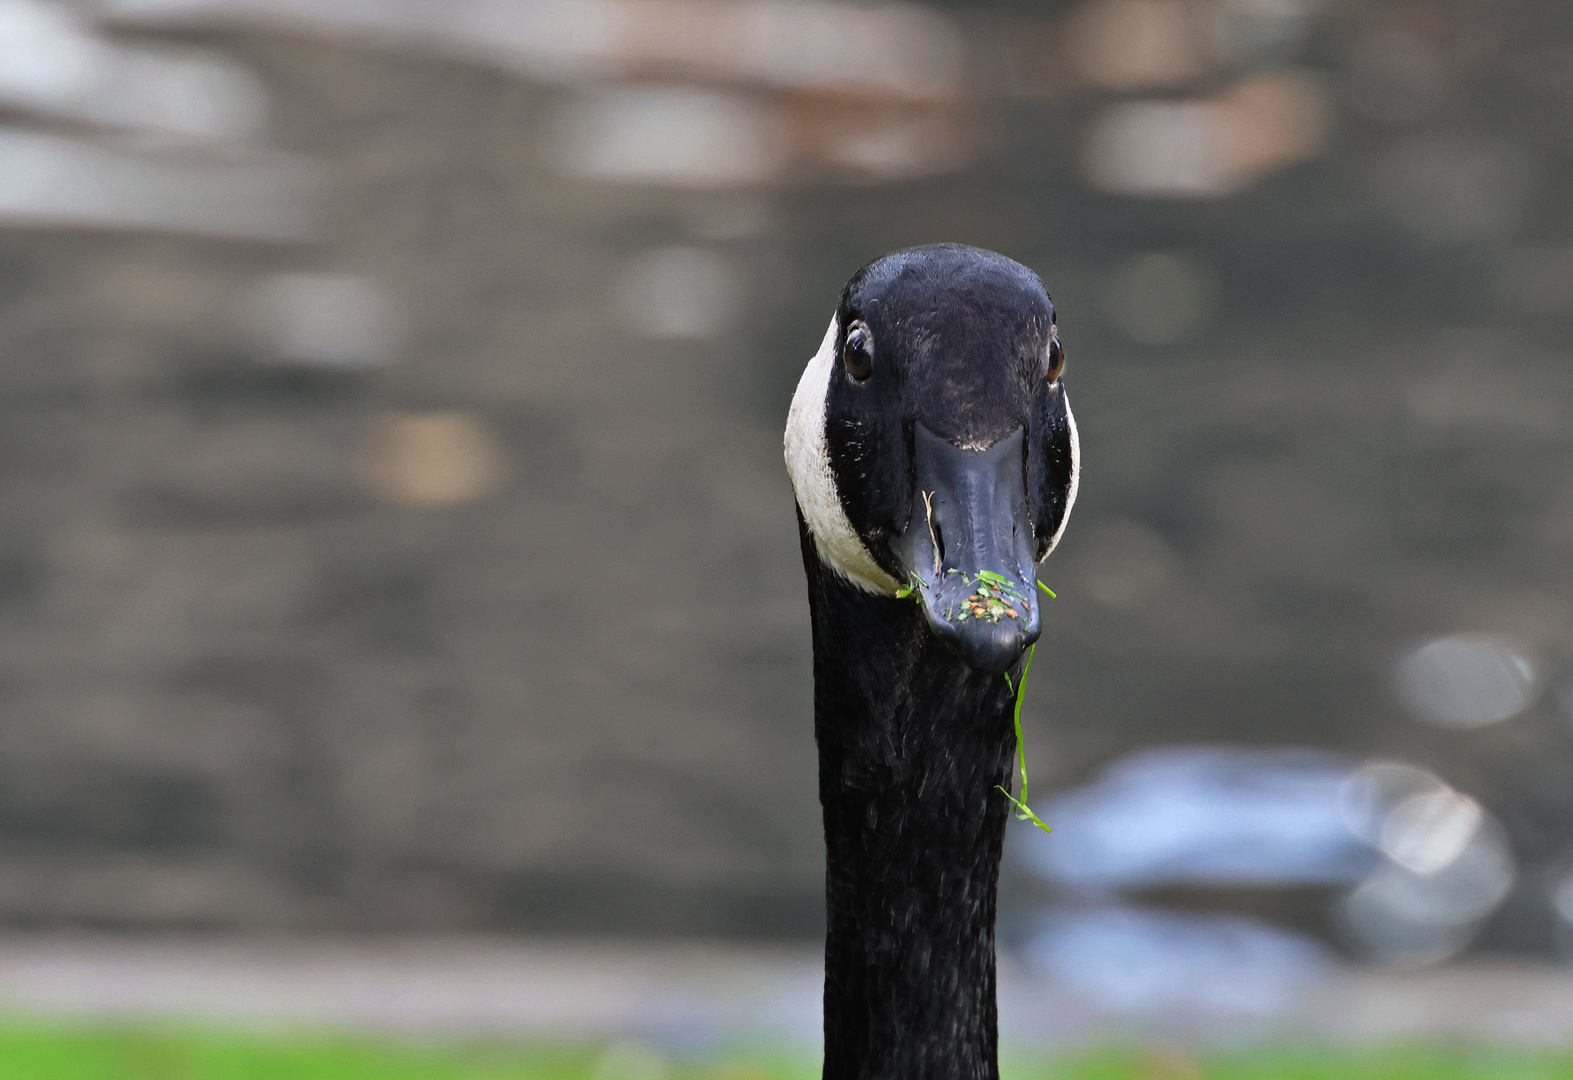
1466,680
1428,831
432,461
683,137
330,319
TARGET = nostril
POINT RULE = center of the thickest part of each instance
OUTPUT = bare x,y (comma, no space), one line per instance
939,546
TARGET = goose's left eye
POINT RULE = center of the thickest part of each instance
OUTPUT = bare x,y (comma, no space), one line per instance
1056,357
858,356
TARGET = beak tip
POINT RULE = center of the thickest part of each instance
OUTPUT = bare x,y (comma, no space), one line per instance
991,648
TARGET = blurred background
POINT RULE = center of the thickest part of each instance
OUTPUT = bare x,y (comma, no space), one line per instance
396,542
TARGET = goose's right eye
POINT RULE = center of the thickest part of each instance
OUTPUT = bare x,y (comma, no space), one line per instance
858,356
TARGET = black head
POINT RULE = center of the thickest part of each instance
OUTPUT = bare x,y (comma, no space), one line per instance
932,445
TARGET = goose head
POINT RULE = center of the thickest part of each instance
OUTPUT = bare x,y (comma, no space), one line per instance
931,444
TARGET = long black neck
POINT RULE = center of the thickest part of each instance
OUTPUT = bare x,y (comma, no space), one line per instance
912,743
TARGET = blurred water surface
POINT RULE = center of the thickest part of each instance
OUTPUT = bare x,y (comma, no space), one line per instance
396,537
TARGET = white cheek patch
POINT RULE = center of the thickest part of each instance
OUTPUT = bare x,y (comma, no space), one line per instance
1070,496
808,463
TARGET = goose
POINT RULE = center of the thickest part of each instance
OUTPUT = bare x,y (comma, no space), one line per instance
934,461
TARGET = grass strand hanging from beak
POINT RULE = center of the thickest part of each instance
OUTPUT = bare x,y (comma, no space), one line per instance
1023,811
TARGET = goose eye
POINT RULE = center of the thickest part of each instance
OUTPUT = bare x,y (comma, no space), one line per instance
858,356
1056,357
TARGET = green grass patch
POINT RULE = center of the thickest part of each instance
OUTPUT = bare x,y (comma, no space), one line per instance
1303,1062
141,1053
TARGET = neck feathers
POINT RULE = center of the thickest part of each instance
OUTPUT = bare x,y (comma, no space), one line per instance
912,743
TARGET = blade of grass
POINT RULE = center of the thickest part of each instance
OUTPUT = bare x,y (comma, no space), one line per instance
1023,811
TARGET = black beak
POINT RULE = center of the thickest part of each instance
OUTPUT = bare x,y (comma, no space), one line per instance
969,546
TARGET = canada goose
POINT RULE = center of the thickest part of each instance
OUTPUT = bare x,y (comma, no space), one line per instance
934,460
